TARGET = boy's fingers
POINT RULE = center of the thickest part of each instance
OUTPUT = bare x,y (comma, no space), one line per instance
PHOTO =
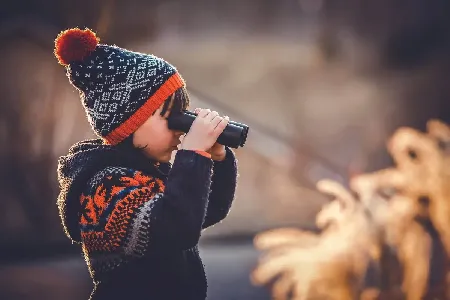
215,122
203,113
212,115
197,110
222,124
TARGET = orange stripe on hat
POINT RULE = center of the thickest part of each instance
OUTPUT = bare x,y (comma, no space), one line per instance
145,111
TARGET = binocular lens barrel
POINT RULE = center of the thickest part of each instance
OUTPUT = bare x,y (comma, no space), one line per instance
234,135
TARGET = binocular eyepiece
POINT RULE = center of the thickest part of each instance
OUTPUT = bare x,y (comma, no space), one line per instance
233,136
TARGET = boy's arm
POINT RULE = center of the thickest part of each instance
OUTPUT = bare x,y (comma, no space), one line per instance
223,189
137,213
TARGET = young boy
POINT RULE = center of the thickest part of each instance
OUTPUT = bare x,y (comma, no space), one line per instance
138,218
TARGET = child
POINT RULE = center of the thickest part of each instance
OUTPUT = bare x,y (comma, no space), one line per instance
138,218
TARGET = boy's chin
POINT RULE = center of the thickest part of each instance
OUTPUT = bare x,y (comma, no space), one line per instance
164,159
161,158
168,157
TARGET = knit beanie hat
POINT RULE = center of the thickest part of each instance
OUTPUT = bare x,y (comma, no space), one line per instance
119,89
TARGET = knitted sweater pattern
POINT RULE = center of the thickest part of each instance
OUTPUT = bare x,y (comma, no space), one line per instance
139,223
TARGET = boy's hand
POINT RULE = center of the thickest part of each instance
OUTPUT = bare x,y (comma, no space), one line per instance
217,151
205,130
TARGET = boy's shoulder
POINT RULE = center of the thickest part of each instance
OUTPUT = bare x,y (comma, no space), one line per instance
120,176
111,173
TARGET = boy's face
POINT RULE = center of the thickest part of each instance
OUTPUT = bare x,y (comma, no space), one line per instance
159,141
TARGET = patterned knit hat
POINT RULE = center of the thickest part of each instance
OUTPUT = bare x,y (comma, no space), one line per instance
119,89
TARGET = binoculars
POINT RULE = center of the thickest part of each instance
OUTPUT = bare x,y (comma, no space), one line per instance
233,136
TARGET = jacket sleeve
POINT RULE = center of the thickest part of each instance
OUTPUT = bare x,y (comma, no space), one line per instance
127,211
223,188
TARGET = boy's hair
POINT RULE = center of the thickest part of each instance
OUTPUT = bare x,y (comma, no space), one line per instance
177,102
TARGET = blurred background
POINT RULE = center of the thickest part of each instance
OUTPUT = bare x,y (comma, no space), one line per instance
321,83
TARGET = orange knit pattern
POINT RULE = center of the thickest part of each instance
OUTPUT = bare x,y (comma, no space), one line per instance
204,153
116,220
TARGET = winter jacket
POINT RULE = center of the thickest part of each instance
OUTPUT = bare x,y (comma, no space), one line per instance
139,222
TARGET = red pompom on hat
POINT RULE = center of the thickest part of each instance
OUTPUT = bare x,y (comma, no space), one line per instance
73,45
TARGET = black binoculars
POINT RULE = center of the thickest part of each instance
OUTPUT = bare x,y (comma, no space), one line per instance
233,136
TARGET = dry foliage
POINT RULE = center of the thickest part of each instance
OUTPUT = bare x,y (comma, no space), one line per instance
392,225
